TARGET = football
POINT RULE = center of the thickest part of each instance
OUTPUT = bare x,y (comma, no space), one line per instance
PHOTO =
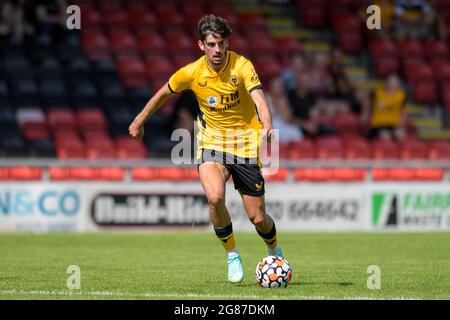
273,272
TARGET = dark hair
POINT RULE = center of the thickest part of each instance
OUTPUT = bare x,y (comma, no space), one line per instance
210,24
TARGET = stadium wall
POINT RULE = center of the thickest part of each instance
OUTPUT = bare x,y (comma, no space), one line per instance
99,206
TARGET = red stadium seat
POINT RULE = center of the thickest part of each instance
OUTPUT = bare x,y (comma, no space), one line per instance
150,42
344,21
445,93
267,67
141,19
166,6
438,150
417,72
263,45
350,42
182,59
436,50
412,149
91,119
122,41
301,150
442,71
35,131
192,16
410,49
240,44
66,137
424,92
357,149
61,119
158,66
131,70
347,123
69,145
170,19
100,152
329,148
383,48
114,17
287,46
385,66
384,150
179,41
91,18
252,21
95,41
128,148
313,16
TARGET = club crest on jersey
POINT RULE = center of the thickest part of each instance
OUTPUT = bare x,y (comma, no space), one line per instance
212,101
234,80
254,77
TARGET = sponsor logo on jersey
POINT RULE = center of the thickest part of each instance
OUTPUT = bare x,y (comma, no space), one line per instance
212,101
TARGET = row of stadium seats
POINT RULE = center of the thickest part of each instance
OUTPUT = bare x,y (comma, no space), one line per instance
357,148
26,173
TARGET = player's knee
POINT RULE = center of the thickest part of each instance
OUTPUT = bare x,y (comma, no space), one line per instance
257,217
216,199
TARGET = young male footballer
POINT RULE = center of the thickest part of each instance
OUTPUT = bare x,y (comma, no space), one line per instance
233,119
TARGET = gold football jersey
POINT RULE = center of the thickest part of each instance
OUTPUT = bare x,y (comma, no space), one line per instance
228,119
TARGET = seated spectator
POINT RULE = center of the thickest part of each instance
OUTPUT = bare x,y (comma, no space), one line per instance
49,18
13,24
387,116
303,102
320,79
297,66
282,114
343,89
413,19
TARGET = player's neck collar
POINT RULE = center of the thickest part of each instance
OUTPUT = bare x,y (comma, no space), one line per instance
223,68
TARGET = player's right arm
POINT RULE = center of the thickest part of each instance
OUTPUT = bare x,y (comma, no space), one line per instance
136,128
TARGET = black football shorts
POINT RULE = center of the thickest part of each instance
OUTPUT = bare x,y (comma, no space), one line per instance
246,172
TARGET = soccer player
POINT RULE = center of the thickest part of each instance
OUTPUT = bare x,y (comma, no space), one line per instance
232,108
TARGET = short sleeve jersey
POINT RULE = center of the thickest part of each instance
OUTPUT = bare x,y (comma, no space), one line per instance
228,119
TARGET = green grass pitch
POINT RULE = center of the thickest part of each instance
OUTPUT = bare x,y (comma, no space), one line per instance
191,265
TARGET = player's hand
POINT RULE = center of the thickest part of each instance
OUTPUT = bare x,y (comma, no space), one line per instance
136,130
267,133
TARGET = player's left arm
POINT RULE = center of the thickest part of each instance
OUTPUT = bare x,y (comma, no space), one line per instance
263,111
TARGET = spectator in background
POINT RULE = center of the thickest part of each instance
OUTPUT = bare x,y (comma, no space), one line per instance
49,18
303,102
282,113
387,115
320,79
343,89
413,19
297,66
14,26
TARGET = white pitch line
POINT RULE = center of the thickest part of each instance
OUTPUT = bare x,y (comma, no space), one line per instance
186,295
